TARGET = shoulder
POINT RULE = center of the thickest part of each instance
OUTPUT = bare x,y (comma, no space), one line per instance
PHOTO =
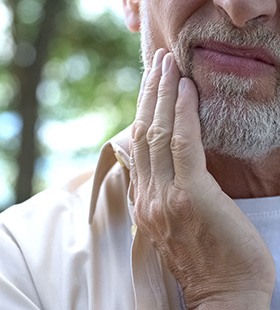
47,241
49,207
38,239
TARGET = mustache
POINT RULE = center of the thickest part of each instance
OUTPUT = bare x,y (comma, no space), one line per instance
254,36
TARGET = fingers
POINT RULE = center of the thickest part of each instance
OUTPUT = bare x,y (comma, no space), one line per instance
186,145
166,141
144,118
132,160
160,132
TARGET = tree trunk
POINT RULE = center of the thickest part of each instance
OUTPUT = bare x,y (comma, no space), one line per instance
29,78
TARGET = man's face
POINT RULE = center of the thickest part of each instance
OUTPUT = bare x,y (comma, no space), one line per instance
231,49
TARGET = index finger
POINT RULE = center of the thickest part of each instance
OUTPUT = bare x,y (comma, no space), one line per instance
186,144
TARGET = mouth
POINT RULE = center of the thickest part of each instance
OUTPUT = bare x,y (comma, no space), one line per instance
243,60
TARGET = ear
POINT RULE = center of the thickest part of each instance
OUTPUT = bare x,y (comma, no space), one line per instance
131,13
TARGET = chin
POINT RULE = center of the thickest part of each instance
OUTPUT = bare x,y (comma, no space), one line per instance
234,124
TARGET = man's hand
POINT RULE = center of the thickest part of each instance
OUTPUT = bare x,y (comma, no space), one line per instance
209,245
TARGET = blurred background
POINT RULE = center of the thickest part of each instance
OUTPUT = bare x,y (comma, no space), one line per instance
69,77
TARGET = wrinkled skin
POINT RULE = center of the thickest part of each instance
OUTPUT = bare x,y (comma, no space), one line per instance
183,200
209,245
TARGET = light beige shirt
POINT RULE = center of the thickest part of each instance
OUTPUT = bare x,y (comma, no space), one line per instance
76,247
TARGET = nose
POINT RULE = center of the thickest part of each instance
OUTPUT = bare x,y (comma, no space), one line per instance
242,11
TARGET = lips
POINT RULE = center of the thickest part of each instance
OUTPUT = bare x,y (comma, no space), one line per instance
243,60
257,54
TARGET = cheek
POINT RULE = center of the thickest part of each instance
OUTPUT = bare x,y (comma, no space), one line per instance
162,20
181,12
167,17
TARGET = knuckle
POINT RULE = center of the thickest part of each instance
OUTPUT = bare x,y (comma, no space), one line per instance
156,133
147,213
139,130
179,143
179,199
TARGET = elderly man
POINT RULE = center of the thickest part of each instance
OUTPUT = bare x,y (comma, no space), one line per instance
198,181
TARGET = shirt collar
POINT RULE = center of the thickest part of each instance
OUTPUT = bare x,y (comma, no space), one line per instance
116,149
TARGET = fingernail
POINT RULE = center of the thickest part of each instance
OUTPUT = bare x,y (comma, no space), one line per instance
182,84
157,58
166,63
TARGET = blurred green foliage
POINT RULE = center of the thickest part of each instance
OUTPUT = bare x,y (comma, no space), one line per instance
90,66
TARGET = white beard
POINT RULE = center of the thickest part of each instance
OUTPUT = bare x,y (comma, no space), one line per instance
231,125
234,126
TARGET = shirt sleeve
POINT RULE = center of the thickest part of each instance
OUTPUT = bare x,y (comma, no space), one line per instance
17,290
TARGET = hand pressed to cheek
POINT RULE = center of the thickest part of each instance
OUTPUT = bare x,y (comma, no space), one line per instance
166,143
153,127
198,230
166,127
